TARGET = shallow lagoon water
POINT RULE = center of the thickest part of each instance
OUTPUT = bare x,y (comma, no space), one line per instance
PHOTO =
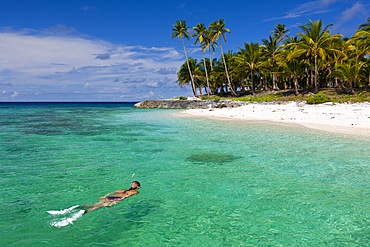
205,182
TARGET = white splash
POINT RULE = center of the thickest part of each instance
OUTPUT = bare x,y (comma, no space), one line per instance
64,211
74,215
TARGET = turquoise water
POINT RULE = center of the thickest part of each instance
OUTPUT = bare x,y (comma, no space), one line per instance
204,182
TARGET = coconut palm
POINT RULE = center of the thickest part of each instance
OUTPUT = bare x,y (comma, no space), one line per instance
349,72
279,31
201,34
181,30
250,58
270,51
316,42
292,66
363,37
218,31
210,45
184,76
365,26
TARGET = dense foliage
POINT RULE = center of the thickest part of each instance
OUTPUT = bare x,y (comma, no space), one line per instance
318,99
312,60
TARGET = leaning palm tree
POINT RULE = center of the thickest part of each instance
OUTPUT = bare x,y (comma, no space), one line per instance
316,42
181,30
218,31
201,34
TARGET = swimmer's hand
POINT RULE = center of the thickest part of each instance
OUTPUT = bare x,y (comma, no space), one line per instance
103,197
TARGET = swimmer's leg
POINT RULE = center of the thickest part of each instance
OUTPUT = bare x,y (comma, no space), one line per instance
85,207
96,207
102,204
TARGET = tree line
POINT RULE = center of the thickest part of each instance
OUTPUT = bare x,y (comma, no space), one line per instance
313,58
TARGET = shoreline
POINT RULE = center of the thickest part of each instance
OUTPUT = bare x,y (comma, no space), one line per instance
349,119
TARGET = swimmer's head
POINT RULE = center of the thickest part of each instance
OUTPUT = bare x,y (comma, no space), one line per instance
135,185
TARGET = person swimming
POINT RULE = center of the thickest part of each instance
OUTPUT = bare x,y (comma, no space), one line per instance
106,201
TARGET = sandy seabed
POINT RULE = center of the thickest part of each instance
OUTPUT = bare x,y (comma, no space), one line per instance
352,119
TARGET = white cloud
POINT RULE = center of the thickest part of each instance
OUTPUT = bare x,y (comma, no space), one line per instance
357,11
315,7
35,65
357,8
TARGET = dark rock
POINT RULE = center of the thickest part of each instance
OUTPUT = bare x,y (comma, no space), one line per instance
187,104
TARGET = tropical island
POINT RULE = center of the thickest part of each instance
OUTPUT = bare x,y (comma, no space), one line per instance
309,62
287,75
282,80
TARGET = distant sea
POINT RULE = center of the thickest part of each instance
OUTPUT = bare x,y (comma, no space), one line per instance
204,182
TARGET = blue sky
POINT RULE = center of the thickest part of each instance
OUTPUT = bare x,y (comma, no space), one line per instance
122,50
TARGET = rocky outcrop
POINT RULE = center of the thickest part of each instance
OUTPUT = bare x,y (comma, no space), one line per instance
187,104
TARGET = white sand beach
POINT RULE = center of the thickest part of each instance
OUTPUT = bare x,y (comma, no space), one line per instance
352,119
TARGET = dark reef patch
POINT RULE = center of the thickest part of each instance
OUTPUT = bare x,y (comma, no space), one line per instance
208,158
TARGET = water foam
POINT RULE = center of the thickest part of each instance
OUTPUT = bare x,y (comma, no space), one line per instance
62,211
74,215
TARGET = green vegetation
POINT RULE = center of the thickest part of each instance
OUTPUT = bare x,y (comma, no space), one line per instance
311,61
328,95
318,99
215,98
181,98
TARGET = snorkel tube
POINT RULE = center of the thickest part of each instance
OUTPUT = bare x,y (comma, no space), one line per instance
132,177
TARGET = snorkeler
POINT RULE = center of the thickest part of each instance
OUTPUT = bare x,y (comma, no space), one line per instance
108,201
75,212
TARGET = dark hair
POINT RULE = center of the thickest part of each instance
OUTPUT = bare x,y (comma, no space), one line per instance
137,184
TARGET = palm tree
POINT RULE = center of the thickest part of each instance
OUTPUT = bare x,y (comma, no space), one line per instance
271,50
279,31
210,45
250,58
201,34
365,26
218,31
364,38
293,67
349,72
315,42
181,30
184,76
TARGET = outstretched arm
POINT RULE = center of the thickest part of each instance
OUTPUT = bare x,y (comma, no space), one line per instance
114,192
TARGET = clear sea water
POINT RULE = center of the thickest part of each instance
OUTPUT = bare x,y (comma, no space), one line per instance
204,182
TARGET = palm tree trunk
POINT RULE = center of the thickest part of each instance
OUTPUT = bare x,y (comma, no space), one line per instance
205,68
275,87
227,73
191,76
242,87
210,58
316,77
336,78
311,75
296,84
307,78
285,83
252,82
